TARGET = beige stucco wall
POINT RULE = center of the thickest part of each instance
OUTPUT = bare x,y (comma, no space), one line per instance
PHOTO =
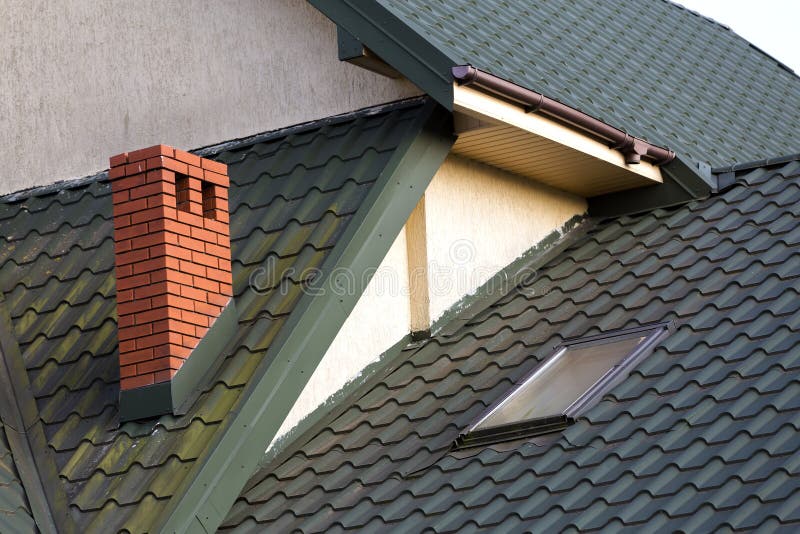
83,80
478,219
378,321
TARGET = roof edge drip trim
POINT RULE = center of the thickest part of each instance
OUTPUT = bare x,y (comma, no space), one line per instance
757,164
633,148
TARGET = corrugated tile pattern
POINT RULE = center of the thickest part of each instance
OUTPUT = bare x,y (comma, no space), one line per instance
291,198
703,435
15,514
651,67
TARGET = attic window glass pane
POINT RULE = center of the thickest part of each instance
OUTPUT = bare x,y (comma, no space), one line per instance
562,380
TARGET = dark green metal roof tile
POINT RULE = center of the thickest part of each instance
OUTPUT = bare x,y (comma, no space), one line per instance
80,375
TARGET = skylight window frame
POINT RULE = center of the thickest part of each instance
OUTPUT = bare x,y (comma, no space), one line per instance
474,436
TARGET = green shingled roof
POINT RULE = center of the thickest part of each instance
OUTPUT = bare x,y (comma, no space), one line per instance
651,67
292,196
703,434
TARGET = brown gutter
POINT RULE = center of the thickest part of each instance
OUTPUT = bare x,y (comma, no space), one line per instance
633,148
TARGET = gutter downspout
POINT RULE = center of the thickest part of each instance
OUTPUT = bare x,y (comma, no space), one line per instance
633,148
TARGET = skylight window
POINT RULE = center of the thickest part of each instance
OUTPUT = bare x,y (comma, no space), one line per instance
567,384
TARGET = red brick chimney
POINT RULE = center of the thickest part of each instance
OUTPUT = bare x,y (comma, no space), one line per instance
173,259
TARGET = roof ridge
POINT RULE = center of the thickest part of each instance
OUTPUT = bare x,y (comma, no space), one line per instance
216,149
55,187
727,28
369,111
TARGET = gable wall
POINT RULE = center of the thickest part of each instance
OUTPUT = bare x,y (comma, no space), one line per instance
478,219
84,80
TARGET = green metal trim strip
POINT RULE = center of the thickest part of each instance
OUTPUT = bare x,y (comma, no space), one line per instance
204,498
206,358
395,43
177,395
682,183
35,463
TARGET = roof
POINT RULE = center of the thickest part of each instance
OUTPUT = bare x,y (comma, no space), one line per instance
293,195
702,435
15,513
652,68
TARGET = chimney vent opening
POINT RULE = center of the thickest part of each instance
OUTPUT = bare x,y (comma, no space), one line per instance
209,200
182,192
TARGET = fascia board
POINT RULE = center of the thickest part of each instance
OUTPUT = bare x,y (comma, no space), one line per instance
396,43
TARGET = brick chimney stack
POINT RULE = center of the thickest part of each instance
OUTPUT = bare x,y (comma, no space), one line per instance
173,260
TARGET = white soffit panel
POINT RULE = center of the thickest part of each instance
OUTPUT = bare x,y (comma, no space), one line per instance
504,135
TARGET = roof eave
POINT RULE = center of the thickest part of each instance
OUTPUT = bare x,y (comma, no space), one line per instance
633,148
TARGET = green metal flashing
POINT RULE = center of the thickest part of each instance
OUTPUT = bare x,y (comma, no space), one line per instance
26,439
206,358
520,271
177,395
145,402
395,43
682,183
206,495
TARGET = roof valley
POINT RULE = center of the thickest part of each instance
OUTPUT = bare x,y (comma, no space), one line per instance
25,435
